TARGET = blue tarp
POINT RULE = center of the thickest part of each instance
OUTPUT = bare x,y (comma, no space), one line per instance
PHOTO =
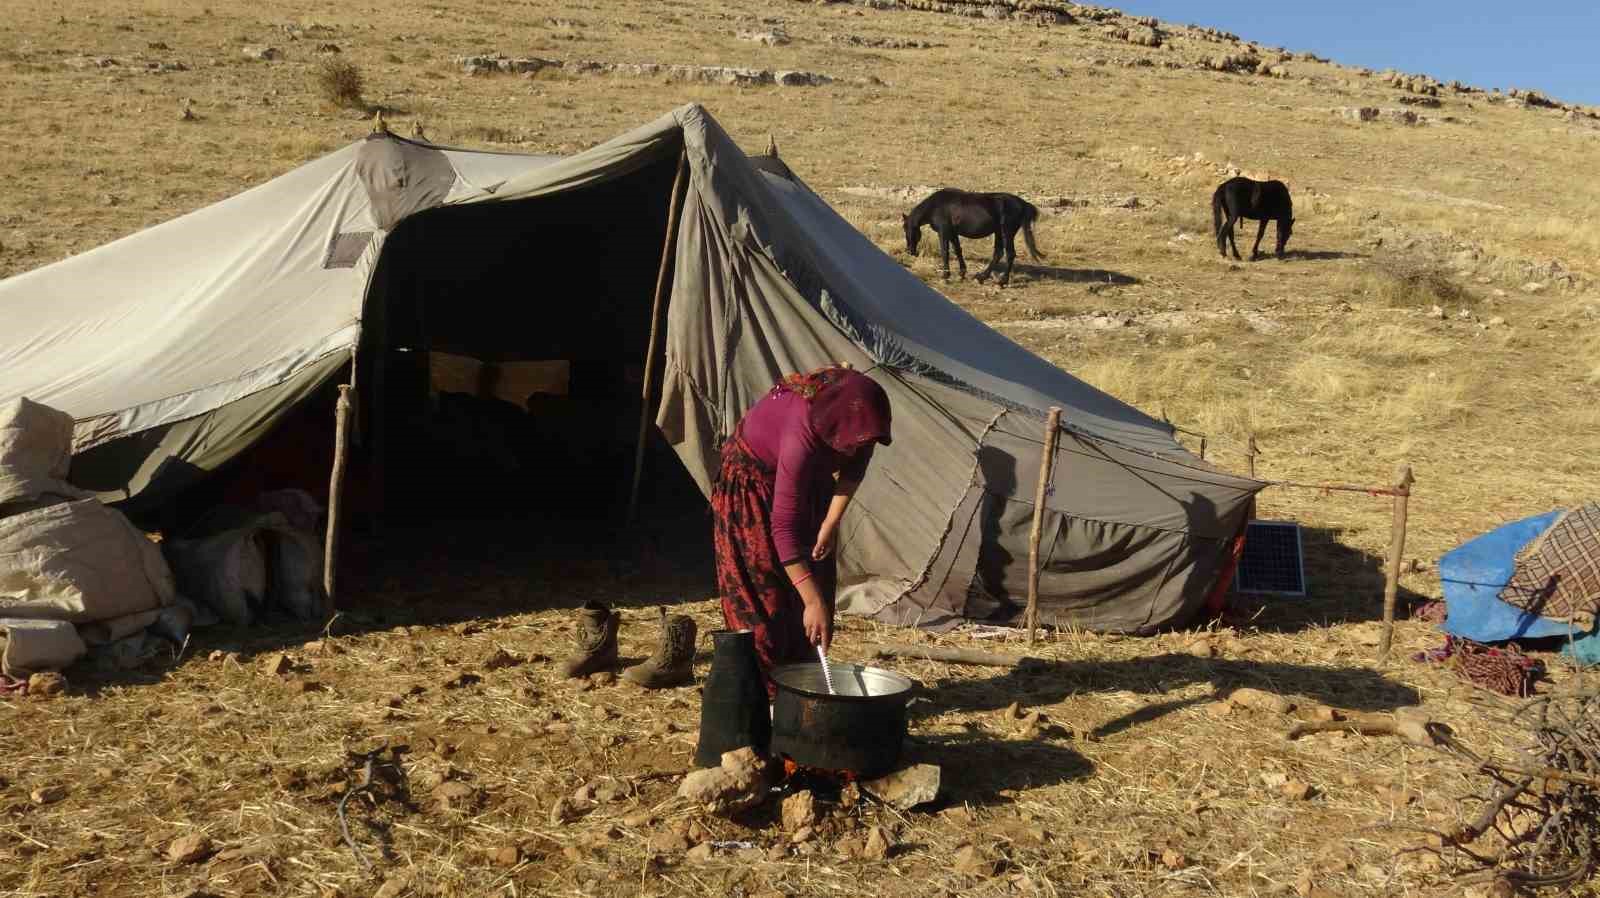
1472,575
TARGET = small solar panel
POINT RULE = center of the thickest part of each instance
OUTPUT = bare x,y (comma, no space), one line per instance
1272,560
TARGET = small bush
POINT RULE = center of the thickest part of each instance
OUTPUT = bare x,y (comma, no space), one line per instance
340,83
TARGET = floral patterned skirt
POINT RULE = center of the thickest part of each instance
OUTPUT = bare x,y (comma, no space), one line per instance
755,590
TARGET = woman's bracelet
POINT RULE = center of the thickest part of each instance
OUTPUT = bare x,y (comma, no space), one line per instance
801,580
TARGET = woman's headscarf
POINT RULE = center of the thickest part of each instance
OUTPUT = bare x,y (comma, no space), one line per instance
848,409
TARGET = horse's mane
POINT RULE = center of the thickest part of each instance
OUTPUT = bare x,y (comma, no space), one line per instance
922,207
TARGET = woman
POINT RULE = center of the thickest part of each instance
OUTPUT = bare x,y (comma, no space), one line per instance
787,476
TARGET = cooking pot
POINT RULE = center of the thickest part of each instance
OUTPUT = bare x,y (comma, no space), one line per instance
860,729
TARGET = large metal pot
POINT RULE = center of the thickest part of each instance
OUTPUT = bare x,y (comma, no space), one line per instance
860,729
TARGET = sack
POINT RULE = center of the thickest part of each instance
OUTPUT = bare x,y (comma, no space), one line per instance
226,572
80,562
35,440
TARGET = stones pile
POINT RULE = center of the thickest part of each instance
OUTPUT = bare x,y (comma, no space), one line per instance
489,64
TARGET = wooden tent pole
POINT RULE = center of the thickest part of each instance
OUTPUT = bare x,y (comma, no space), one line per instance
680,185
1250,454
1397,548
341,453
1052,433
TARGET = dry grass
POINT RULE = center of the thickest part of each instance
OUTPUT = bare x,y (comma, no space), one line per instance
1330,357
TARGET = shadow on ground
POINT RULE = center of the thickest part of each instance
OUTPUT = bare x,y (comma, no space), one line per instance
1075,275
1344,583
1037,682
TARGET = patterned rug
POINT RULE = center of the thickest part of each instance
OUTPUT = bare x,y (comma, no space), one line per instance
1558,574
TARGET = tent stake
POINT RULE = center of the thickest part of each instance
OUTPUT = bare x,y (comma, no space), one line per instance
330,548
1397,547
680,185
1250,454
1052,432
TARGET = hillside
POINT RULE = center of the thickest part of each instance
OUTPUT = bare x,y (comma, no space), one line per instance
1439,307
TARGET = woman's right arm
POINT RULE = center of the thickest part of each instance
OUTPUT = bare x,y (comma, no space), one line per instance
789,513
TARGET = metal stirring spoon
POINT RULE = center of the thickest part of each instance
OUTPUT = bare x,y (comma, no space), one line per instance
827,672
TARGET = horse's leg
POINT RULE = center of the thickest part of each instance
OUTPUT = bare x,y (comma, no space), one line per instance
1255,251
944,254
994,258
1233,238
1011,257
961,260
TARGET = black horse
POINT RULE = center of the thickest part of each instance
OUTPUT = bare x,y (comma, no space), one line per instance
1261,200
954,214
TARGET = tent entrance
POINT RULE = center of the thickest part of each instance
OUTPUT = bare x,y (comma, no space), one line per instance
502,361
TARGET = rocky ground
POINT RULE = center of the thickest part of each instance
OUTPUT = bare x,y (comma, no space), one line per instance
1437,308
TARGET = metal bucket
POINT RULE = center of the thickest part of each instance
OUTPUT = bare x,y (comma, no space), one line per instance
860,729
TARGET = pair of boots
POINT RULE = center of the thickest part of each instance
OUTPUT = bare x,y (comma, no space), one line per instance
672,663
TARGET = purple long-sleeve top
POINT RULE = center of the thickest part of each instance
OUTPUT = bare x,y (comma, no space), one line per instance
778,431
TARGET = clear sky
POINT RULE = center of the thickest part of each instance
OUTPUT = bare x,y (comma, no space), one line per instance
1552,46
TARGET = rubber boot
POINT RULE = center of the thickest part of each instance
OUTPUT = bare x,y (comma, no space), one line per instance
673,661
596,641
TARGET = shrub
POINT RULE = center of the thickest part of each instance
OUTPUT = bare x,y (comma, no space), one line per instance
340,82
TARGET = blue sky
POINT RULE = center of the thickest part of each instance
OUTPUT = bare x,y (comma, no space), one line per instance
1549,45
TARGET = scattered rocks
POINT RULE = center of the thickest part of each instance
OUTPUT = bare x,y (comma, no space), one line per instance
506,856
881,43
1294,790
803,835
1359,113
46,683
189,849
905,789
731,75
668,842
799,811
455,796
1173,859
879,844
265,54
393,886
1261,701
48,794
1237,63
499,659
701,853
639,819
562,811
974,861
774,37
276,664
738,784
603,678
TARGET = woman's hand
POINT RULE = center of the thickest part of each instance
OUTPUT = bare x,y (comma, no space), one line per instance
819,629
825,539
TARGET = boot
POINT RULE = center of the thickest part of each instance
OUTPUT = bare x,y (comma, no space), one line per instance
596,641
673,661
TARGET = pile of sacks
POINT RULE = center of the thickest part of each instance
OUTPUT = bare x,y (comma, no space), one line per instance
73,573
76,577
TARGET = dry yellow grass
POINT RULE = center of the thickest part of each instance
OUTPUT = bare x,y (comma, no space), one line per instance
1331,358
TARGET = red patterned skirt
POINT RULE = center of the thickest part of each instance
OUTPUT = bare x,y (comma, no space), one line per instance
755,589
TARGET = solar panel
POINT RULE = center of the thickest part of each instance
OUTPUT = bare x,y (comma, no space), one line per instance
1272,560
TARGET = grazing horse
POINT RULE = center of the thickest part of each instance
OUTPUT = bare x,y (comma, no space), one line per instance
954,214
1261,200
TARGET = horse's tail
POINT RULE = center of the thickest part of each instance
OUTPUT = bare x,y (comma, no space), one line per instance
1030,214
1216,212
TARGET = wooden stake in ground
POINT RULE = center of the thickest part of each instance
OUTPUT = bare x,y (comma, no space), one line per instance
341,451
948,655
1397,547
680,185
1052,433
1250,454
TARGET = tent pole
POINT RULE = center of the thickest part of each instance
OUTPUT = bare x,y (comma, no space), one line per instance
1397,548
341,452
680,185
1052,432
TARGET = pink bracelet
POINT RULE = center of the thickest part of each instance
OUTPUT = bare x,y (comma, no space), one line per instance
802,579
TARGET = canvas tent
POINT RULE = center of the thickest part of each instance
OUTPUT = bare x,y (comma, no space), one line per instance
178,347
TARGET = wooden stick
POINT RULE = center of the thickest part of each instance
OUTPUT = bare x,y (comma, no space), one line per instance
1052,433
948,655
341,451
1397,547
680,185
1250,454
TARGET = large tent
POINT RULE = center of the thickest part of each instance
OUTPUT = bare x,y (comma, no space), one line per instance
177,348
